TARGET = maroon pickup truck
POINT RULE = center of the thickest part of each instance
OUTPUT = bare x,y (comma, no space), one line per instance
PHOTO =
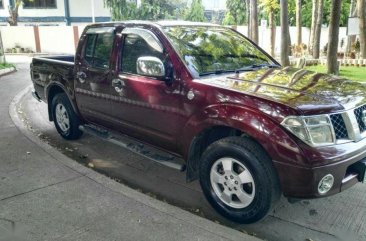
247,128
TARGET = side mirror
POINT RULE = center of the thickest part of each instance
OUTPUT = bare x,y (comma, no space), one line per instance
150,66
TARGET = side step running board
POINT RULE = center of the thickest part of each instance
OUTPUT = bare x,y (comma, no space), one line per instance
147,151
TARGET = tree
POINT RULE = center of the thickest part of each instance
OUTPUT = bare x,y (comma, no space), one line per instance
314,16
285,34
196,12
149,9
13,12
332,61
2,55
235,12
352,38
318,29
271,8
253,21
247,5
298,23
362,26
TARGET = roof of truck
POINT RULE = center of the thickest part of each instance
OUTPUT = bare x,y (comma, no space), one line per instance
162,23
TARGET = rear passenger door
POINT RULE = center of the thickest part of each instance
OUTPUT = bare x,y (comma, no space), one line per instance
94,75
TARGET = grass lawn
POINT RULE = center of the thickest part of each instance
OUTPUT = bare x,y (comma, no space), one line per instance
6,65
349,72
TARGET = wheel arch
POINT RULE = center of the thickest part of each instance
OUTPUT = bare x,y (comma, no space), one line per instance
54,89
237,121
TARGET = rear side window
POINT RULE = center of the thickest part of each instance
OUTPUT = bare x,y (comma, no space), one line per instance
98,49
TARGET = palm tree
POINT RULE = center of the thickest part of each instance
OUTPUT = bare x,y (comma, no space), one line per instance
285,34
254,21
362,26
298,23
333,67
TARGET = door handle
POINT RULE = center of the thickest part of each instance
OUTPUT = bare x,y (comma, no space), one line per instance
81,76
118,85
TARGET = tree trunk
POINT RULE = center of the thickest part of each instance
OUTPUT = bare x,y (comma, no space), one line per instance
247,4
285,34
352,38
318,30
362,26
333,67
272,24
2,56
254,20
298,23
13,13
314,15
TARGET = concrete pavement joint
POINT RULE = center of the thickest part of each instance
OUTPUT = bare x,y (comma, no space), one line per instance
40,188
287,221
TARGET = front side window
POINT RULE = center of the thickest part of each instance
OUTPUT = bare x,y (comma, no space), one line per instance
214,49
98,49
39,3
139,43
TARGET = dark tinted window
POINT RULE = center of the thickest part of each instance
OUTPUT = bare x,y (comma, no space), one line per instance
39,3
98,49
135,47
1,4
89,48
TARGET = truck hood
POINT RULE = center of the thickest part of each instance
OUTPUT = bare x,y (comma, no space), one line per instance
306,91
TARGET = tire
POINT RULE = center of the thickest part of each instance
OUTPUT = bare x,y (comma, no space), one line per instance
246,186
65,119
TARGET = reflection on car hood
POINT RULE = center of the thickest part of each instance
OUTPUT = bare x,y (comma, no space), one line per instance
306,91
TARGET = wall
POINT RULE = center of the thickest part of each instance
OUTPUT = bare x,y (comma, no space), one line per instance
52,39
60,39
24,36
57,39
82,8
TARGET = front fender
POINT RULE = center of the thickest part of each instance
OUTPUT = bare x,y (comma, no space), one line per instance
279,145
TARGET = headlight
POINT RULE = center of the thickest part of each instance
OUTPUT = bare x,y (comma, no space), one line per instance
314,130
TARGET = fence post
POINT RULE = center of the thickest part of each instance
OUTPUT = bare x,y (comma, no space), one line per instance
37,39
76,35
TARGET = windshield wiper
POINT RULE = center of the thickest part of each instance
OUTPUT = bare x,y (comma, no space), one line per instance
220,71
256,66
246,68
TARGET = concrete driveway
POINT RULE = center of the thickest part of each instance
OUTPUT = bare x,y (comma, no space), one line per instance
341,217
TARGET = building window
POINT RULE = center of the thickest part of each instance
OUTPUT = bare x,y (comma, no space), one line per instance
1,4
39,3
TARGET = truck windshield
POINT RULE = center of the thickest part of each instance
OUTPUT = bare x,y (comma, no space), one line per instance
215,50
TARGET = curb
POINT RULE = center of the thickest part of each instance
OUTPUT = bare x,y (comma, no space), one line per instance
180,214
7,71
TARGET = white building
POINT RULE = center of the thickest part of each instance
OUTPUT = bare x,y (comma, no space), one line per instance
56,12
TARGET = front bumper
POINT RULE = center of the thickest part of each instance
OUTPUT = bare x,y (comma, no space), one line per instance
302,182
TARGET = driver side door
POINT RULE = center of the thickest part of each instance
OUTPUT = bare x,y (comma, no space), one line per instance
146,107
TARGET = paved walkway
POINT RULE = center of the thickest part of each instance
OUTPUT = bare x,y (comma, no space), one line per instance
46,196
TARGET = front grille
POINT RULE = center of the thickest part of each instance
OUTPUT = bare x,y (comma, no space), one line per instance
339,126
358,114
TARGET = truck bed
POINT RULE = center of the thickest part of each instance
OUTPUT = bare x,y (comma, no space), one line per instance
50,68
